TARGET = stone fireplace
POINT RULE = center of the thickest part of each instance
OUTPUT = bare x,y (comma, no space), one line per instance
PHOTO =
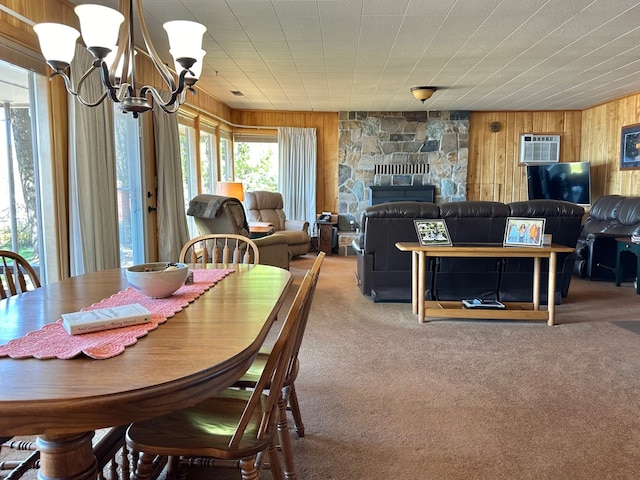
400,148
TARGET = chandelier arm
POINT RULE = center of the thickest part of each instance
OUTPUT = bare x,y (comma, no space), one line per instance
67,81
158,100
169,107
78,95
124,46
111,90
174,94
124,90
155,58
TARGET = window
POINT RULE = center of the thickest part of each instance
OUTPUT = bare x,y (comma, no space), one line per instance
129,189
189,161
226,160
255,162
23,147
208,158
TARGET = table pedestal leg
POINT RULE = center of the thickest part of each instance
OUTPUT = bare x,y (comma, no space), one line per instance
66,457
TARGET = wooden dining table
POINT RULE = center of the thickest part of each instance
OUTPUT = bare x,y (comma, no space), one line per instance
201,350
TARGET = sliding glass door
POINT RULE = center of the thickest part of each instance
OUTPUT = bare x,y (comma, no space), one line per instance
23,134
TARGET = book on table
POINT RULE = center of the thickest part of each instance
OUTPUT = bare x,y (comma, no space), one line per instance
99,319
482,303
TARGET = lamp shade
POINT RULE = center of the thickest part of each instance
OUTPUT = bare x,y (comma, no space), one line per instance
185,38
57,41
230,189
99,25
423,93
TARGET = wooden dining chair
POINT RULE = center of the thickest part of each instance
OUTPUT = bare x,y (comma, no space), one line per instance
220,248
17,275
234,425
289,397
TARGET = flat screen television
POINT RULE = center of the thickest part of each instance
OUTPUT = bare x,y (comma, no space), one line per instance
569,181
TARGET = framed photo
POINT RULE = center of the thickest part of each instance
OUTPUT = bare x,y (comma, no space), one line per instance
524,232
630,147
432,232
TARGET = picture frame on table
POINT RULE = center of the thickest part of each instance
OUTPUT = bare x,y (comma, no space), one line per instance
524,232
432,232
630,147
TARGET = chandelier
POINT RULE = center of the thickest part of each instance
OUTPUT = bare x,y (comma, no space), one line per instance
113,50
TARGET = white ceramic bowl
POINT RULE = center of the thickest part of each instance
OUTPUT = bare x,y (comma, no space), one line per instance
157,280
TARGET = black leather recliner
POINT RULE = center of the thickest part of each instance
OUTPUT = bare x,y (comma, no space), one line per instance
610,216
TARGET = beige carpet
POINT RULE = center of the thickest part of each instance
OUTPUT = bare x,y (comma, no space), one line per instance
384,397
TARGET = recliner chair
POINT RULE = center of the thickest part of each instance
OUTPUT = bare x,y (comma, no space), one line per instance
268,207
218,214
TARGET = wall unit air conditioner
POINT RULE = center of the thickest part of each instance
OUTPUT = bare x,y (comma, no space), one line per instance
539,148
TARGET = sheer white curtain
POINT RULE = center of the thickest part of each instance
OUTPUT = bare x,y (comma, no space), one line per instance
93,210
173,232
297,172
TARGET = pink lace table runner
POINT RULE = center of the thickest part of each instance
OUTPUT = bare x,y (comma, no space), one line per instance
52,341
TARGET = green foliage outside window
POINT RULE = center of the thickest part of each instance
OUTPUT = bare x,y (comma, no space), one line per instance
256,166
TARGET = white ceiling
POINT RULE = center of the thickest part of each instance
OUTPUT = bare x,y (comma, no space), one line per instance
342,55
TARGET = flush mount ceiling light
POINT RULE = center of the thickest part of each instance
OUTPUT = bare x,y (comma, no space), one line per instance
423,93
112,48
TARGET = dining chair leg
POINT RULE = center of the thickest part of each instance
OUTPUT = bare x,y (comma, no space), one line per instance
248,469
274,463
144,468
295,410
285,441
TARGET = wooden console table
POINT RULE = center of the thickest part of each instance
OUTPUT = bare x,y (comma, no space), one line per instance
454,309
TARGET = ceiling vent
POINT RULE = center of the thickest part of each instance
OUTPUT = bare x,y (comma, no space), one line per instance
539,148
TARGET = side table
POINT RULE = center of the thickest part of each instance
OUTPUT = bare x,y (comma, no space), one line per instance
325,237
626,245
260,229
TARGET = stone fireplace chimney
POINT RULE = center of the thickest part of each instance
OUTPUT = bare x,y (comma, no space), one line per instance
400,148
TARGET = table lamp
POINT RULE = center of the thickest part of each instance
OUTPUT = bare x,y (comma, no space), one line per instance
230,189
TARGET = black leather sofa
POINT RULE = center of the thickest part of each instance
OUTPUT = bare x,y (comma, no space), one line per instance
384,273
610,216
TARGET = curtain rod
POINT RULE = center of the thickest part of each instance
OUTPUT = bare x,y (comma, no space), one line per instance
227,122
15,14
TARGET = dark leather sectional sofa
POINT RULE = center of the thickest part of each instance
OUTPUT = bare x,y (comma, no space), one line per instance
610,216
384,272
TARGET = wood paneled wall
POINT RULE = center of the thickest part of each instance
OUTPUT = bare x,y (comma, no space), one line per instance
601,138
326,125
38,11
494,171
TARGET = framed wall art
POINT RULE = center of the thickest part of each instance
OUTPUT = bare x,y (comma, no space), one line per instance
524,232
630,147
432,232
